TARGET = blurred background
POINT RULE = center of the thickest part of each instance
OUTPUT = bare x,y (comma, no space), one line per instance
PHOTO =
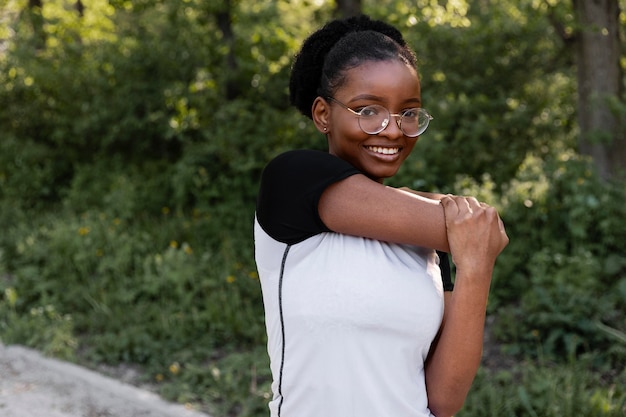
133,135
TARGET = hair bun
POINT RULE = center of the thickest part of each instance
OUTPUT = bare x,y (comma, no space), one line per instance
306,71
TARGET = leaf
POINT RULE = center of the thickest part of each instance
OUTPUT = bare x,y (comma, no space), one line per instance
619,335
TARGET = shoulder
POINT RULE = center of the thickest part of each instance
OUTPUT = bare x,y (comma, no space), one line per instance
301,169
290,190
303,159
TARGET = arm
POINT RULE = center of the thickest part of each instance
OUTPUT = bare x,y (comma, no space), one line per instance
432,196
476,235
361,207
472,232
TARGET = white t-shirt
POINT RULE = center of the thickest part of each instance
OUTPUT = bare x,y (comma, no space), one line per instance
350,320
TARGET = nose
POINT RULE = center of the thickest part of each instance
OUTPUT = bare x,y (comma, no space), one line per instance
396,131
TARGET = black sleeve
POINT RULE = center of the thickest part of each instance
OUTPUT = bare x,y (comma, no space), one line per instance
291,186
446,274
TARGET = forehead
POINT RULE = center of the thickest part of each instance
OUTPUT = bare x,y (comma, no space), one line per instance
392,78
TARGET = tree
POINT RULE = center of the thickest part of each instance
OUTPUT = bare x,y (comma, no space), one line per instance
224,19
33,13
598,50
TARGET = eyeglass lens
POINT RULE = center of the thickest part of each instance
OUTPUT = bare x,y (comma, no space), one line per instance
374,119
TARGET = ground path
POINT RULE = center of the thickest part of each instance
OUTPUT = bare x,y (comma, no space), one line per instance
35,386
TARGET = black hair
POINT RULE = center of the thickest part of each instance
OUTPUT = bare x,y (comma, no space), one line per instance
319,68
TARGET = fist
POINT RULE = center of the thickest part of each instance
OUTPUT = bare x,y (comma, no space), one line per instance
476,234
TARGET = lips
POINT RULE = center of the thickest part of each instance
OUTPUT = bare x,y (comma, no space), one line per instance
384,150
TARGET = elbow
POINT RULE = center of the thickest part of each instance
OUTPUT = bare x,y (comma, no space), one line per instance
446,405
445,408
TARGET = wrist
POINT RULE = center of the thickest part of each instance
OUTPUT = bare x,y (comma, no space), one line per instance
475,278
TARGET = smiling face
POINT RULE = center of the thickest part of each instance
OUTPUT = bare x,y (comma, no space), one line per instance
392,84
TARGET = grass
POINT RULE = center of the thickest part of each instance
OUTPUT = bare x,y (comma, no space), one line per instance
536,389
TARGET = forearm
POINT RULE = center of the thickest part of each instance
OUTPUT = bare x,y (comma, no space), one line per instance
361,207
452,365
432,196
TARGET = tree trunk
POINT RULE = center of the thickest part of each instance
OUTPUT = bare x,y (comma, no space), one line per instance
80,8
34,13
348,8
598,49
224,23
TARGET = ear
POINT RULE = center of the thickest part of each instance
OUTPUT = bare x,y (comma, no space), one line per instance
320,113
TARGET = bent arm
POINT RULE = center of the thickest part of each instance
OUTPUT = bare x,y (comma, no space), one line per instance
360,206
472,232
476,235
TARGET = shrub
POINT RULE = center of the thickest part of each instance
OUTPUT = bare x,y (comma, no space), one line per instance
562,277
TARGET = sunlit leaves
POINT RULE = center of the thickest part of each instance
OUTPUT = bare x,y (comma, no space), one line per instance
65,24
452,13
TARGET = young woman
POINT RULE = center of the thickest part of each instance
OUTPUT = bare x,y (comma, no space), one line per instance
360,319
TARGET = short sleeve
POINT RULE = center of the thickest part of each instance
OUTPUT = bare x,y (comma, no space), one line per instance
290,190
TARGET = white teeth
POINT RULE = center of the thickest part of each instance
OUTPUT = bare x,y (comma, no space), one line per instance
384,151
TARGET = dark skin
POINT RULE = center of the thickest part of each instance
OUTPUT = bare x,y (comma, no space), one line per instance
361,205
379,156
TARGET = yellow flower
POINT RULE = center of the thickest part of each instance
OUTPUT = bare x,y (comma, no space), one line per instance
175,368
83,231
230,279
158,377
187,249
116,221
253,275
173,244
165,210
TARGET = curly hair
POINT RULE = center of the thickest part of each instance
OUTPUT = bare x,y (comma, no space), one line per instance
319,68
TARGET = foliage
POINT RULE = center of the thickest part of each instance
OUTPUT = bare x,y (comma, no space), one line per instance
41,327
237,384
128,176
547,390
498,86
562,281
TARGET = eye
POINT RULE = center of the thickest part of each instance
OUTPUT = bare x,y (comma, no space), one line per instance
369,111
411,113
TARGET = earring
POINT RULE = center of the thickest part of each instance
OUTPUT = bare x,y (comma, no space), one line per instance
325,128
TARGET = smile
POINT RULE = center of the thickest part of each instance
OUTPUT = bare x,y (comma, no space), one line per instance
384,151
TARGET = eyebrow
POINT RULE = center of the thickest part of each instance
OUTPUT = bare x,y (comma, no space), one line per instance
372,97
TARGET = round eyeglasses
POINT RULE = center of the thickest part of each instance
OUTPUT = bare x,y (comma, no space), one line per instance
375,118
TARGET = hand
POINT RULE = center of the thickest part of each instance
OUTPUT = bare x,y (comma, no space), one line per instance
476,234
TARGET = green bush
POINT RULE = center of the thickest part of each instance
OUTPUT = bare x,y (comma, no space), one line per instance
136,291
560,283
41,328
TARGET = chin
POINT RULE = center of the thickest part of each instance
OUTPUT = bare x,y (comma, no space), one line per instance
380,175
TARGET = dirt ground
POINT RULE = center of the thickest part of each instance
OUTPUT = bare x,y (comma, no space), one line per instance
35,386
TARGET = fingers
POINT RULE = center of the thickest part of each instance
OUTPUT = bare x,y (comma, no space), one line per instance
472,227
461,208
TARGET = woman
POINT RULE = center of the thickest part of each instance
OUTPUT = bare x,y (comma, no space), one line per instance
360,320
